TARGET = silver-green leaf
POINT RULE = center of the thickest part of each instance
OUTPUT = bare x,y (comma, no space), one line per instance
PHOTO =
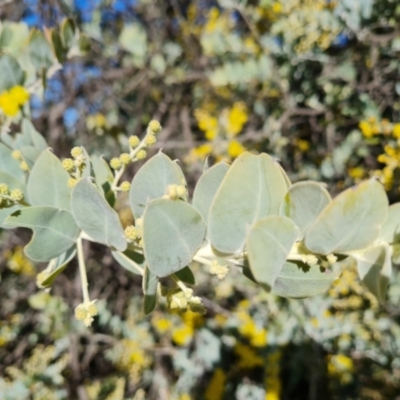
151,181
95,217
374,267
207,186
172,233
269,242
352,221
303,202
298,280
48,182
253,188
54,231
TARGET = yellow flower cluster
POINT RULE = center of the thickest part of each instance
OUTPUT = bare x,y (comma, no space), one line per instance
273,385
119,391
341,367
85,312
216,21
11,100
372,126
18,262
349,293
248,357
132,357
207,123
235,118
97,123
161,324
248,328
391,159
220,131
216,387
310,24
191,321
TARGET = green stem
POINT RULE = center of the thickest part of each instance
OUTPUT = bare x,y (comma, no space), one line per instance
82,271
202,260
136,266
180,284
132,155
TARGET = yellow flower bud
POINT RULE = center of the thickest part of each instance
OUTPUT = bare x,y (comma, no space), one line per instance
24,166
218,269
196,305
68,164
172,192
125,158
125,186
17,155
154,127
85,312
139,222
331,259
150,139
141,155
92,309
72,182
17,195
133,141
115,163
181,191
4,189
78,163
80,312
76,152
131,233
19,95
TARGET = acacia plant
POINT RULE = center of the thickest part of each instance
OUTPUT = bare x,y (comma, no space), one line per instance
288,238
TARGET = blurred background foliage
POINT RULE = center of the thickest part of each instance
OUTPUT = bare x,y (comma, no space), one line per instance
315,83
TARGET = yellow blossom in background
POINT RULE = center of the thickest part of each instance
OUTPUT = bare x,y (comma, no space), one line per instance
357,172
161,325
236,118
235,149
243,305
19,95
216,21
247,357
216,387
191,321
97,120
12,100
277,7
199,153
182,335
273,385
18,262
185,396
119,390
341,367
366,129
248,329
207,123
396,131
302,145
132,357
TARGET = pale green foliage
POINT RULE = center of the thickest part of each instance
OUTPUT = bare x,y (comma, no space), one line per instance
247,214
270,238
54,230
172,233
95,217
287,238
